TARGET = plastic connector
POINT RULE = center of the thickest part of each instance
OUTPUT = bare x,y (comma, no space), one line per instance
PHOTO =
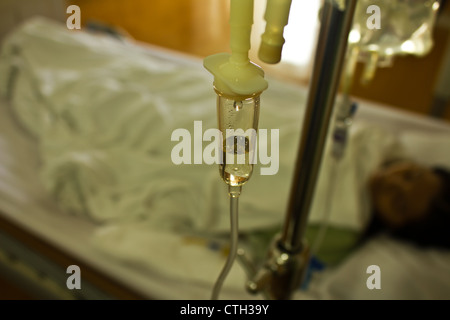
235,79
272,40
234,74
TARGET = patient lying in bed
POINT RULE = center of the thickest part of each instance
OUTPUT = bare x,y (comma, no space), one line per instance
404,250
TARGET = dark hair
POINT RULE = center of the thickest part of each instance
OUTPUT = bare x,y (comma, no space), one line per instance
431,232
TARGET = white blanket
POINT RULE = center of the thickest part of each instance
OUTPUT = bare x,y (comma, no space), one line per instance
103,113
384,269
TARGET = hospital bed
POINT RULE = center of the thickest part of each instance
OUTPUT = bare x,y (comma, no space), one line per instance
87,177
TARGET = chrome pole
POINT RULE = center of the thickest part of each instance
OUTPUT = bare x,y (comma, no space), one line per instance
328,65
288,256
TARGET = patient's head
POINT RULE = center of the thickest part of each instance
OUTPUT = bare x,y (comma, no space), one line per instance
411,201
403,191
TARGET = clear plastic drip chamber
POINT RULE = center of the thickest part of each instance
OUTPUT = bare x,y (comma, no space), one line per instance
238,83
238,118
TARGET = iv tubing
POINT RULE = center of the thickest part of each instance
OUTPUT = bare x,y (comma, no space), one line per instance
234,201
318,240
347,82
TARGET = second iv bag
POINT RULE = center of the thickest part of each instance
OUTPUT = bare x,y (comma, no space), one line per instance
386,28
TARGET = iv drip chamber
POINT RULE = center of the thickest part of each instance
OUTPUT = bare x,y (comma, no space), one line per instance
238,123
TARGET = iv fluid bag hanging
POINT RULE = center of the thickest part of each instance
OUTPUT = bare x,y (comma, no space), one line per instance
393,27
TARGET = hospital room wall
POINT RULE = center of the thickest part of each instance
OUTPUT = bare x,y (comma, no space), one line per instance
14,12
200,27
197,27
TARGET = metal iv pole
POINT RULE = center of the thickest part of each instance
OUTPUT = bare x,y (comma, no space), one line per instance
288,256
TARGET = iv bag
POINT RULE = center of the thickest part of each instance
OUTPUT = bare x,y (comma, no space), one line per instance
393,27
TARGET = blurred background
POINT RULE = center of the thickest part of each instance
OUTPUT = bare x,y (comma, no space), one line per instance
200,28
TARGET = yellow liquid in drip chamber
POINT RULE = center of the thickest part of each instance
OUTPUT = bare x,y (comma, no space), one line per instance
238,123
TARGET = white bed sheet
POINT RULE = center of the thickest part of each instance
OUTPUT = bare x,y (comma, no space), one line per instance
168,265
